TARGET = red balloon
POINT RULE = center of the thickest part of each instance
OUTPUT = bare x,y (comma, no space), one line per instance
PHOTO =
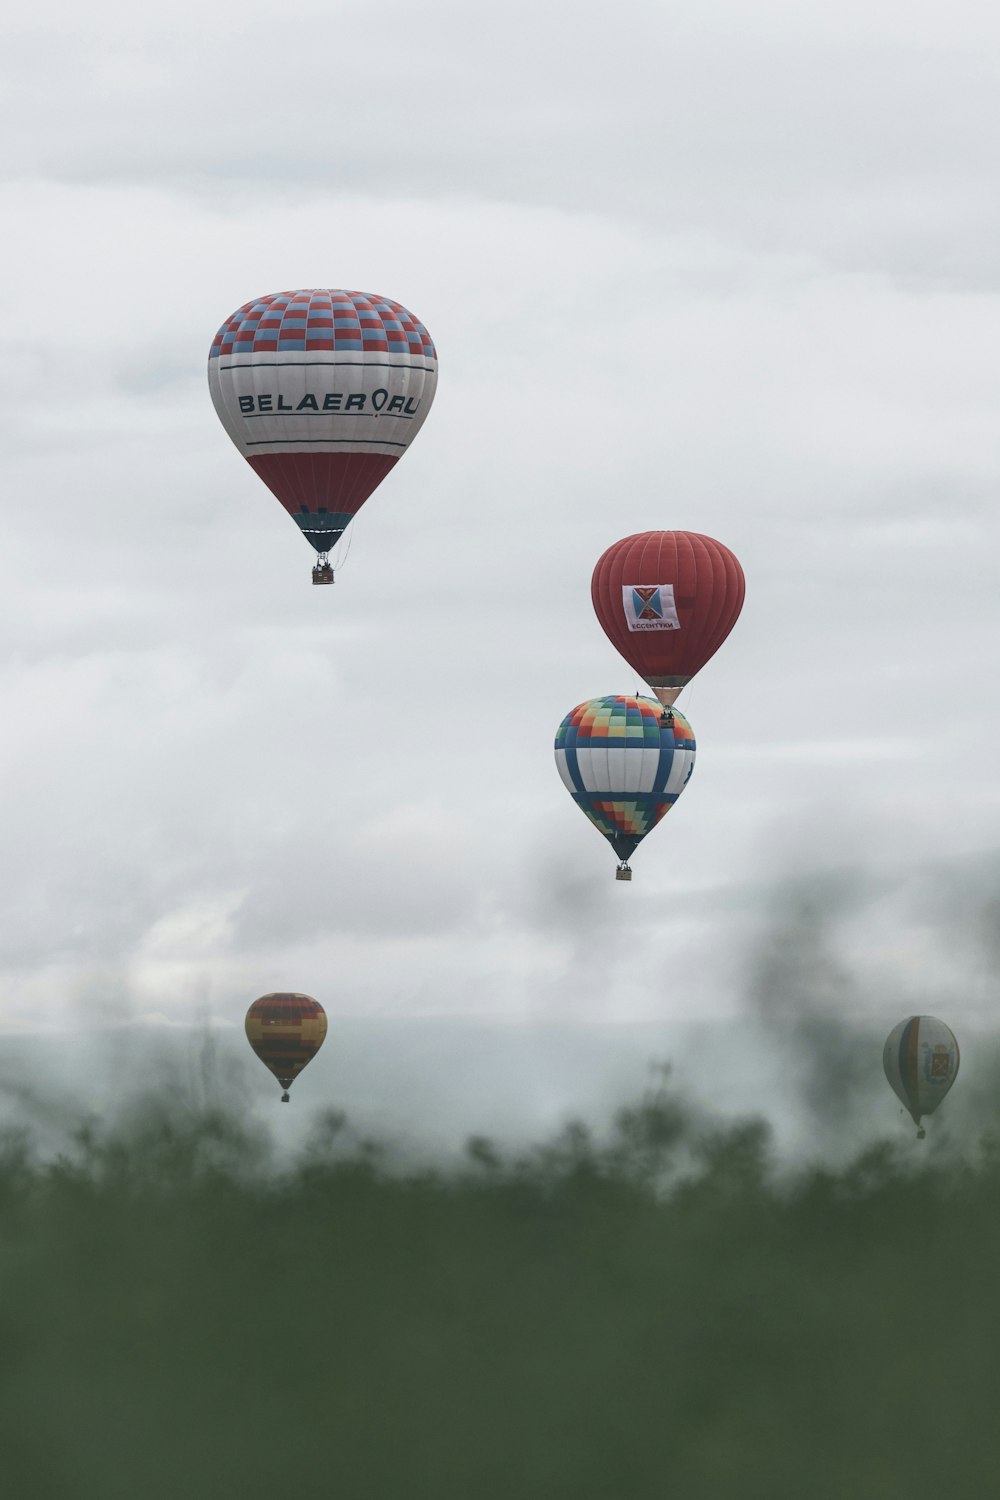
667,600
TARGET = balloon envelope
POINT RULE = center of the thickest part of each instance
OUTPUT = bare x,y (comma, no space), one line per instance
921,1060
625,763
322,392
667,600
286,1030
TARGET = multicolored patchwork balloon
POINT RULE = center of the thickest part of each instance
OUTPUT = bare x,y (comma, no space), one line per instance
286,1030
667,600
920,1059
322,392
625,761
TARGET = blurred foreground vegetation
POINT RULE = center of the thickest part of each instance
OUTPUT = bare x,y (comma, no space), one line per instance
655,1314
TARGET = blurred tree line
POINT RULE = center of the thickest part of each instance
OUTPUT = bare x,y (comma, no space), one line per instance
655,1313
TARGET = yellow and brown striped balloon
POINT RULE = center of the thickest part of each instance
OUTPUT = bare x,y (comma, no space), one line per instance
286,1031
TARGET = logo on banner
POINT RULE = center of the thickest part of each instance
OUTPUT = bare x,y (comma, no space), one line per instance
940,1062
650,606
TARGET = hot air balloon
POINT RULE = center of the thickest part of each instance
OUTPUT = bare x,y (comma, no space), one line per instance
322,392
920,1059
625,761
667,600
286,1031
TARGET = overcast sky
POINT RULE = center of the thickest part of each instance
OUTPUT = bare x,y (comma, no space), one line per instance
711,266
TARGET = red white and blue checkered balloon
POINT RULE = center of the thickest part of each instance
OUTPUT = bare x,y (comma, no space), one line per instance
322,392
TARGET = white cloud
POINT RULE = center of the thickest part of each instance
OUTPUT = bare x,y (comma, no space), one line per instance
705,268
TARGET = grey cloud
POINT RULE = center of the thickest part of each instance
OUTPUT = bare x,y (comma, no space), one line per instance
637,245
859,144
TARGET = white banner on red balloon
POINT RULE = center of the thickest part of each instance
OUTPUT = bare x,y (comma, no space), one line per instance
650,606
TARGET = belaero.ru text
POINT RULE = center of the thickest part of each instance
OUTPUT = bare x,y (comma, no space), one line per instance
379,400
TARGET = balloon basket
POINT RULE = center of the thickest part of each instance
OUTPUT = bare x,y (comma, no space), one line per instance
284,1098
623,873
322,573
921,1135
